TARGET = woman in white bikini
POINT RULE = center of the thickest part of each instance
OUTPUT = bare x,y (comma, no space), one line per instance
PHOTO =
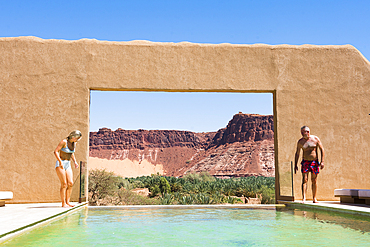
64,152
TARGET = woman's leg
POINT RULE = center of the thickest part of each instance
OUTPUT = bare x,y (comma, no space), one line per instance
69,176
63,184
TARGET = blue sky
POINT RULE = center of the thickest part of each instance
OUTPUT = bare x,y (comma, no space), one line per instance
199,112
237,22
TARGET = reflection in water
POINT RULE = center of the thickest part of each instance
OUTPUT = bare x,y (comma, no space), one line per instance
346,220
83,217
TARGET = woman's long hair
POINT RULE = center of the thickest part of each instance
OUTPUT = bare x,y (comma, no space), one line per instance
75,133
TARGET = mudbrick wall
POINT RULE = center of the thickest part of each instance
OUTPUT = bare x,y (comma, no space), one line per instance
324,87
245,147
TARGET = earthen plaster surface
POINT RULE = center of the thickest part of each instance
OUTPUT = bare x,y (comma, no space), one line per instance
45,88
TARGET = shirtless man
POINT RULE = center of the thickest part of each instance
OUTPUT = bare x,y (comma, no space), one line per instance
310,162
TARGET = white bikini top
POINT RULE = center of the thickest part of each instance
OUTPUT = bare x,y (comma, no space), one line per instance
67,150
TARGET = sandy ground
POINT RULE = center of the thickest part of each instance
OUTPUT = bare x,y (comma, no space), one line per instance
126,168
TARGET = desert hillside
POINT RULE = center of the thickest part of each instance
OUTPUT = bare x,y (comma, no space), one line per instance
245,147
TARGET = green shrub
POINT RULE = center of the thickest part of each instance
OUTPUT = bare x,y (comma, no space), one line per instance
166,199
176,187
218,198
125,183
268,195
199,177
127,197
232,200
191,177
202,199
101,185
164,186
186,200
206,177
154,190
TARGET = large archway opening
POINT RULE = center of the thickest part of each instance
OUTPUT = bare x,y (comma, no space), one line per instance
225,134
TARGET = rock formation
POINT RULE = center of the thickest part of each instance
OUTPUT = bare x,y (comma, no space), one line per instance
245,147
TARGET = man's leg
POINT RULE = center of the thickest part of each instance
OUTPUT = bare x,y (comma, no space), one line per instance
314,186
304,185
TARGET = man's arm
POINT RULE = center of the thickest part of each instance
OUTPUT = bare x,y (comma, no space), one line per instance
297,152
322,151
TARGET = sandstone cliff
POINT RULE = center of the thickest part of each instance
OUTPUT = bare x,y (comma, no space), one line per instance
243,148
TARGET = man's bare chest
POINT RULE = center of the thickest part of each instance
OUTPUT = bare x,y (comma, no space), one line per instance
309,144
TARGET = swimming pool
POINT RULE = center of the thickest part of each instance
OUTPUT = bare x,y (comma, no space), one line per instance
199,226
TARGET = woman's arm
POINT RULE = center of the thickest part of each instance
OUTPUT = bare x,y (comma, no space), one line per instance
74,160
57,150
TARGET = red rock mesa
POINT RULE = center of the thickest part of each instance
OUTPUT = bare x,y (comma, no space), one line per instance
245,147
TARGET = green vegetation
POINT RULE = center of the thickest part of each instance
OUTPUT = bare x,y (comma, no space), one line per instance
195,188
107,189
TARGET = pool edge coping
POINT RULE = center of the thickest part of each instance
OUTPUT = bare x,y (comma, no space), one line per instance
193,206
21,230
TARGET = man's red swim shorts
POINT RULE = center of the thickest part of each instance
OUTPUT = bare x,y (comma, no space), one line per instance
310,166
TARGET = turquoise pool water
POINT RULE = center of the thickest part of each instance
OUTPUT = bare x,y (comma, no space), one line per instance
199,227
